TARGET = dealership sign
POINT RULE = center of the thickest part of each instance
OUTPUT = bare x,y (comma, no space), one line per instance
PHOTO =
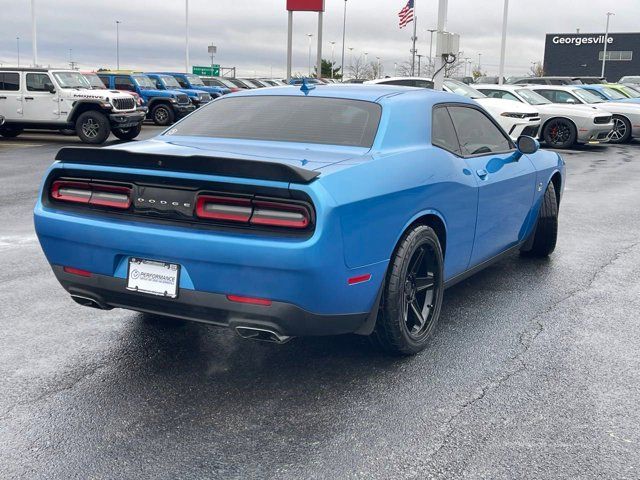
582,40
305,5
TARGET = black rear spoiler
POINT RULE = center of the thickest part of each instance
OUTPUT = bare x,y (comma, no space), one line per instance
227,167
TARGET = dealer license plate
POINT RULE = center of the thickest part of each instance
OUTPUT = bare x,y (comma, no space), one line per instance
153,277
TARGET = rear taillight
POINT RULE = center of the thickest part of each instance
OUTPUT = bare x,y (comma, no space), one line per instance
230,209
278,214
113,196
269,213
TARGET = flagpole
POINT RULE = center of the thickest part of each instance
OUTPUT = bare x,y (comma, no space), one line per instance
413,50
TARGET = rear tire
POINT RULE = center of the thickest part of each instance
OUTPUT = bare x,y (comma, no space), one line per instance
621,132
412,295
93,127
559,133
10,132
546,233
127,133
162,115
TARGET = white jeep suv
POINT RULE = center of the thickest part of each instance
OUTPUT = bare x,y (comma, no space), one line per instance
46,99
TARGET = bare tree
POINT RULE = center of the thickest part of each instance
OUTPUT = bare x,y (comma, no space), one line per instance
404,69
376,70
536,70
358,69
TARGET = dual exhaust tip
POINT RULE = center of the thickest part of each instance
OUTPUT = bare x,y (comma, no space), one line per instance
261,334
246,332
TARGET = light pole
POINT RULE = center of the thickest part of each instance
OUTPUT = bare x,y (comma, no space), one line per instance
18,41
333,45
378,71
503,45
186,36
34,34
351,56
419,62
606,41
438,76
479,62
395,69
309,35
366,54
118,22
431,31
344,29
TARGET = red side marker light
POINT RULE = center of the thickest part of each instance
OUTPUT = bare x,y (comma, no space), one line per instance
250,300
359,279
77,271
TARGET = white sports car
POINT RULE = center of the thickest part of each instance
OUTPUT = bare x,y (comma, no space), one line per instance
515,117
563,125
626,116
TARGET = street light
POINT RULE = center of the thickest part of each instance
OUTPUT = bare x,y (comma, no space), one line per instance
351,56
344,29
479,62
309,35
378,73
34,35
503,44
395,69
333,44
18,41
118,22
419,62
366,54
186,36
431,31
606,41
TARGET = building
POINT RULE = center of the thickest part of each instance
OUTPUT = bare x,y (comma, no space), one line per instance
580,55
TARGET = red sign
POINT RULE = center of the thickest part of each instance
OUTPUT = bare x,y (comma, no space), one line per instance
305,5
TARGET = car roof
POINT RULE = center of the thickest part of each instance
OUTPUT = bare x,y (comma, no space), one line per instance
24,69
494,86
370,93
391,79
553,87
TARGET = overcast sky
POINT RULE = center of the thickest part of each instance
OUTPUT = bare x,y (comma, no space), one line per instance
252,34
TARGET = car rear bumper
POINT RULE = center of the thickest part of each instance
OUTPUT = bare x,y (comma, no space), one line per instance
285,319
127,119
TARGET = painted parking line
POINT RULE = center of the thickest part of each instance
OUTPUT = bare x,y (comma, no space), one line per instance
20,144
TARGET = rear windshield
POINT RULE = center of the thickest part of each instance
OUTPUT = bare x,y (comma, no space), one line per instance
331,121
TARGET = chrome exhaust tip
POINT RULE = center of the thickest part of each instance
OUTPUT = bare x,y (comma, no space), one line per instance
88,302
262,334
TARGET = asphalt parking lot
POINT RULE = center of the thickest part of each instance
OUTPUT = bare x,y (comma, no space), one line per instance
534,371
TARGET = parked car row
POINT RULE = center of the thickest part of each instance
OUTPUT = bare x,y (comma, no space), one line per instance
93,105
560,115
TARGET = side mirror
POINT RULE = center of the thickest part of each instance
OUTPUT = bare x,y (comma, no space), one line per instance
50,88
527,145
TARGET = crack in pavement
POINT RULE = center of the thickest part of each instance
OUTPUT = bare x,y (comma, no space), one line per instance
526,340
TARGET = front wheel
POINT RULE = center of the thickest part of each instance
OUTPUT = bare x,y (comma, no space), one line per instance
93,127
162,115
559,133
621,132
412,295
127,133
545,235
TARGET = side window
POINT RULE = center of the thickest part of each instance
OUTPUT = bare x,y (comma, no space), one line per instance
548,94
123,83
536,81
9,81
105,80
598,94
401,83
182,83
477,133
443,134
564,97
423,84
37,82
500,94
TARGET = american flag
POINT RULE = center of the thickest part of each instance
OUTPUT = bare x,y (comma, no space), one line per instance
406,14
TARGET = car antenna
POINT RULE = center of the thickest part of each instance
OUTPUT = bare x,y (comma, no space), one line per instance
306,87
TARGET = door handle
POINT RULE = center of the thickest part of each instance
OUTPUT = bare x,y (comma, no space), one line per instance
28,98
3,98
482,173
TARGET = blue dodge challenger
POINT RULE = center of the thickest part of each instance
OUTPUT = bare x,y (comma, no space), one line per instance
291,211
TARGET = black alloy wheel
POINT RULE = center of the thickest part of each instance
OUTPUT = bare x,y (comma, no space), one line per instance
412,295
559,133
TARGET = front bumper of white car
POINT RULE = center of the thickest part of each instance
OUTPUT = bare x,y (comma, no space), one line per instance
594,133
524,126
